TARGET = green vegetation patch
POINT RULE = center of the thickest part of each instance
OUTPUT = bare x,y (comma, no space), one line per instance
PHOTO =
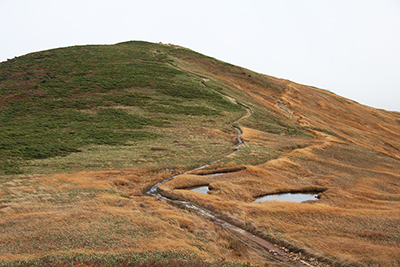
182,109
45,135
62,101
10,167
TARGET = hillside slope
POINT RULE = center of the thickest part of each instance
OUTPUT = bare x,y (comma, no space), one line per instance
87,130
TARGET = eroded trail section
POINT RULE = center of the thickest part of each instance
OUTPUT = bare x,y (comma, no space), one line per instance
275,253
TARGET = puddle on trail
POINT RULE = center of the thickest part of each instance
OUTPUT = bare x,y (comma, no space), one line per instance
200,189
295,197
215,174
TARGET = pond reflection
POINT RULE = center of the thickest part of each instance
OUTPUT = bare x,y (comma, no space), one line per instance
200,189
295,197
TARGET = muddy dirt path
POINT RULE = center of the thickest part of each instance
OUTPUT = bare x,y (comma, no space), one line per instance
271,251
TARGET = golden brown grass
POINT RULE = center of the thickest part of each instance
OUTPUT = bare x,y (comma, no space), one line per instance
93,212
354,158
352,154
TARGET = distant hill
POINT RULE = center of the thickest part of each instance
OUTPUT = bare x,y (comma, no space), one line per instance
100,124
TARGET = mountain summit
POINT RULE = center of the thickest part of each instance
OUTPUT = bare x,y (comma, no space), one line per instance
86,131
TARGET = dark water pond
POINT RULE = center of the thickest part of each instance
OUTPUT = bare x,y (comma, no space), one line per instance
200,189
295,197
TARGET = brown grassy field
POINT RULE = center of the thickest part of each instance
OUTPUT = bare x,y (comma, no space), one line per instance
353,159
102,212
298,139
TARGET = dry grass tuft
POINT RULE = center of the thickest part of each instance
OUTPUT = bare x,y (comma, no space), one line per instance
121,182
373,234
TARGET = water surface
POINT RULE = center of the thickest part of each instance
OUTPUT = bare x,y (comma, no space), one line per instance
200,189
295,197
215,174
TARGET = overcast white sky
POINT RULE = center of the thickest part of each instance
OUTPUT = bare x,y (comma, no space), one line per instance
350,47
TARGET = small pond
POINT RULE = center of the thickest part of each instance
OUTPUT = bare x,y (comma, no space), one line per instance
295,197
200,189
215,174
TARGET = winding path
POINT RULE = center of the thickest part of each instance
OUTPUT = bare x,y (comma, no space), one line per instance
275,253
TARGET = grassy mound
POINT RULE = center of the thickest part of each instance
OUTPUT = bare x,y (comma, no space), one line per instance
63,101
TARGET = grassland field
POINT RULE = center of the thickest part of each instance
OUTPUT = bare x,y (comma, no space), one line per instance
85,131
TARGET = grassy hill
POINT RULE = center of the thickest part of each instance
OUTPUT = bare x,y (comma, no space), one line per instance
85,131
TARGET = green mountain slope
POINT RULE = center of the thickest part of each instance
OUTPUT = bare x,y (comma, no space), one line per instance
62,101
